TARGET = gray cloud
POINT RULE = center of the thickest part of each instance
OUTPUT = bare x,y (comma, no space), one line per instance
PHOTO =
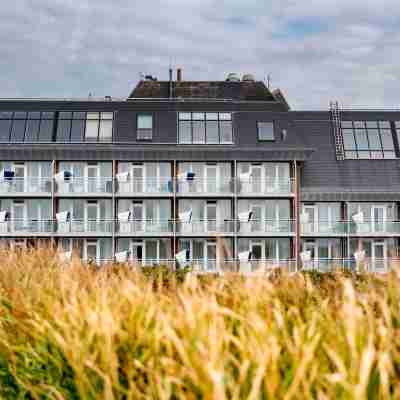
73,47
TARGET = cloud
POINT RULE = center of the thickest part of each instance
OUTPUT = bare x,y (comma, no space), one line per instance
315,51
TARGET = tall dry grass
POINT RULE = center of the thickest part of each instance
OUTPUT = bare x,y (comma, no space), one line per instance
69,332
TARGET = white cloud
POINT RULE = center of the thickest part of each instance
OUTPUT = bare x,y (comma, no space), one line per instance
73,47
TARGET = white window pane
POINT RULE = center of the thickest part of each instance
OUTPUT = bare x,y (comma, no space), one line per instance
145,121
199,132
361,139
106,115
265,131
91,129
92,115
347,124
185,132
384,124
348,141
225,116
106,127
387,140
374,141
389,154
351,155
226,131
372,124
359,124
198,116
185,116
211,116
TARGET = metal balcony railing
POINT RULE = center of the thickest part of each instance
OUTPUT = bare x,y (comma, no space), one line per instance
266,227
205,186
25,185
267,186
77,185
146,186
205,227
148,226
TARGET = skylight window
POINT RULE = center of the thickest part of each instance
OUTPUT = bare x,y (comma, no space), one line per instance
368,140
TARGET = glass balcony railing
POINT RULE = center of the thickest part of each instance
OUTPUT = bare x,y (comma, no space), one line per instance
324,228
369,264
146,186
205,227
77,185
25,186
374,228
328,228
26,227
149,226
254,186
264,227
205,186
92,227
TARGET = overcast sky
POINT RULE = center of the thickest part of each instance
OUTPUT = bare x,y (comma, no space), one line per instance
314,50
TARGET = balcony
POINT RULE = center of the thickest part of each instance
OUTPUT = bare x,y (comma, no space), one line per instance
79,187
146,187
205,187
84,228
369,264
324,228
26,228
25,186
266,187
205,227
147,227
374,228
251,267
349,228
266,228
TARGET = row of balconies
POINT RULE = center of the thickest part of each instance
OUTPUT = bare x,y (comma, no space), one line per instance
150,186
262,266
170,227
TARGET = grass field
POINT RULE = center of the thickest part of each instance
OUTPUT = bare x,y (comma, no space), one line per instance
71,332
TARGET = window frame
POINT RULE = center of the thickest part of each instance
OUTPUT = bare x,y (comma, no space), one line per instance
371,129
273,131
144,130
183,117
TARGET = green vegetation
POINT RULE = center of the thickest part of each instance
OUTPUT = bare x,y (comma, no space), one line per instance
74,332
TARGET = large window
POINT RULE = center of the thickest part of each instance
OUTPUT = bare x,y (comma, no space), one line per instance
144,127
205,128
22,126
368,140
80,126
265,131
63,126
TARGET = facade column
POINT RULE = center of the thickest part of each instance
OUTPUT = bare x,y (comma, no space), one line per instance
114,172
296,214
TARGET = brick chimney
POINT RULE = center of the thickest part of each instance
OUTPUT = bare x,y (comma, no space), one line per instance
179,74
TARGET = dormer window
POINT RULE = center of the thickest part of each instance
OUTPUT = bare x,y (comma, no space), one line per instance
205,128
265,131
144,127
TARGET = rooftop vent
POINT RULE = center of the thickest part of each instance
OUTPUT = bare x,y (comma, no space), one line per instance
150,78
233,77
248,78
